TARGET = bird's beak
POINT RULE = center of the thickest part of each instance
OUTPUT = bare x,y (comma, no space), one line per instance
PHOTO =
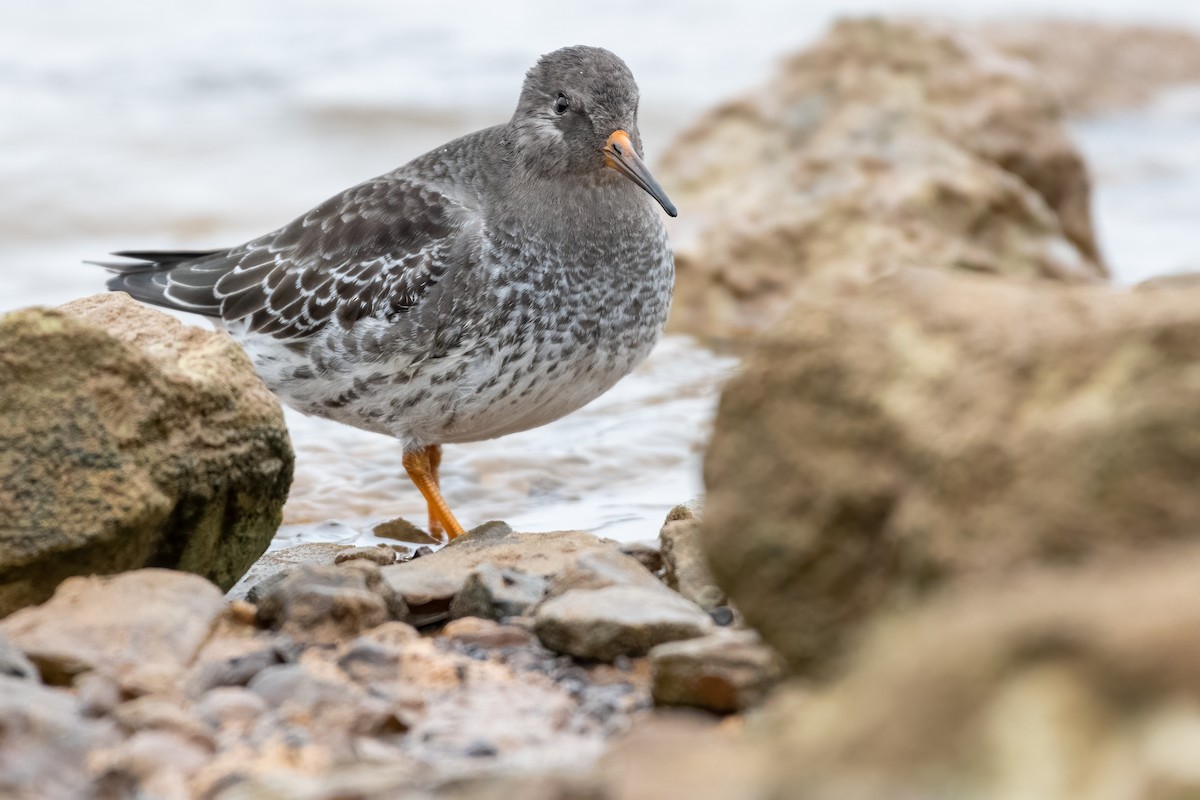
620,155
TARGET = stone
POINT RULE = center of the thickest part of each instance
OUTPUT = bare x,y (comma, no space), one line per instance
269,569
726,671
896,437
14,664
685,564
160,713
647,554
157,762
45,741
1056,684
602,568
887,144
117,624
477,632
428,584
380,554
233,670
618,620
332,710
230,705
129,440
493,593
325,605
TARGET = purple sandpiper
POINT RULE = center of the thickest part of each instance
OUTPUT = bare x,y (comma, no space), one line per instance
490,286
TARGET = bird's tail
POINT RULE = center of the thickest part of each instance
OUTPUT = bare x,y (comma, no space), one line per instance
180,279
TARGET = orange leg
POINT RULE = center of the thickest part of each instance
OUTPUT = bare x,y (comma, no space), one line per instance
422,467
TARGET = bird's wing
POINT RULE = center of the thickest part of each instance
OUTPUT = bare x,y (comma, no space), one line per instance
371,251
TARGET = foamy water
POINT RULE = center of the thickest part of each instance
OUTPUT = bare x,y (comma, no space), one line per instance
164,124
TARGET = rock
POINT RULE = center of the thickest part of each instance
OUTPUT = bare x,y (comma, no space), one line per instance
157,762
269,569
331,710
428,584
686,564
128,440
894,438
1099,67
325,605
160,713
14,664
887,144
117,624
647,554
602,568
44,742
493,593
723,672
604,623
230,705
233,670
1058,685
380,554
477,632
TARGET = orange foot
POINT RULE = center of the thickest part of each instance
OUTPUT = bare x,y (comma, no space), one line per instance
422,467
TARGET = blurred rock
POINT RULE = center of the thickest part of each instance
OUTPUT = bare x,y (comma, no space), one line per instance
885,145
725,671
486,633
648,554
326,605
686,564
44,742
617,620
14,664
1060,686
1100,67
129,440
151,620
891,439
493,593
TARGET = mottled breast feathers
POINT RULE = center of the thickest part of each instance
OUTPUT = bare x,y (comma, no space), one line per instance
372,251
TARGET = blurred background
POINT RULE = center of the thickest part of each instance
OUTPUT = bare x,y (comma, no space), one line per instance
146,125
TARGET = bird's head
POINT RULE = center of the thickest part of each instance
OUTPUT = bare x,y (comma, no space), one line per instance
578,115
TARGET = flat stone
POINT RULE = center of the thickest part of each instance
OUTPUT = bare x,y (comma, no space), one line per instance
600,568
380,554
726,671
487,633
491,592
116,624
428,584
618,620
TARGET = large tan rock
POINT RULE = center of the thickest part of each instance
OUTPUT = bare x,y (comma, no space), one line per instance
126,440
893,438
152,621
1057,686
887,144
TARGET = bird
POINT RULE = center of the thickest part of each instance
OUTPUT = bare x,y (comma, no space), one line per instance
489,286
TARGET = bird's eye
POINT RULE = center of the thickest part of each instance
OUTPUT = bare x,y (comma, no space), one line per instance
562,104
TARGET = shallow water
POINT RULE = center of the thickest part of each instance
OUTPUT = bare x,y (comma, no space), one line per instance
141,124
